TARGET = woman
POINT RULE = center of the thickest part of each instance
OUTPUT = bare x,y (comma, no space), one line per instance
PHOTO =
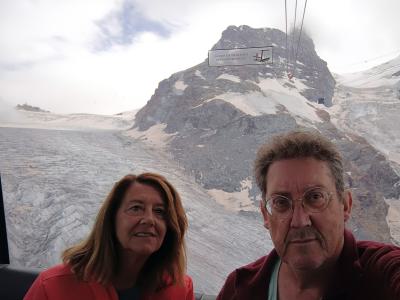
136,249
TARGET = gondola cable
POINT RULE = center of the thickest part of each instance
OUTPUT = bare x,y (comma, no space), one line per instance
292,53
286,36
298,42
293,33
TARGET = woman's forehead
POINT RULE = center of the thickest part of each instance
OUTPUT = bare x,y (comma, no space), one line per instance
144,193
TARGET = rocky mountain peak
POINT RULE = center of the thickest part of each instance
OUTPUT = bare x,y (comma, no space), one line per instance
216,118
201,84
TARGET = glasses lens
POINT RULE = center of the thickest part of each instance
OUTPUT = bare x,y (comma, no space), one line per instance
316,200
279,205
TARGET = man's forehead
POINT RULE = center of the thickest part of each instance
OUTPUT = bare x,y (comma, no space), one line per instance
299,173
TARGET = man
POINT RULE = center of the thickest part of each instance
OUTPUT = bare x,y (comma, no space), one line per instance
305,207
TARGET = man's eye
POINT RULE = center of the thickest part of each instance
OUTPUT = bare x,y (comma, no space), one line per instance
315,196
316,199
281,203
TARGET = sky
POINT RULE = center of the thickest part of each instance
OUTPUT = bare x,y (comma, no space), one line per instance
108,56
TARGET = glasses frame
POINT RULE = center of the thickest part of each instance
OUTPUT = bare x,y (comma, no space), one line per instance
301,199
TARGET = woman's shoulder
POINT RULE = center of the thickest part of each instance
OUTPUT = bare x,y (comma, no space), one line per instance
188,282
61,270
60,283
175,291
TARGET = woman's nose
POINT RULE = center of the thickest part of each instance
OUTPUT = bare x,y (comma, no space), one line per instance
148,216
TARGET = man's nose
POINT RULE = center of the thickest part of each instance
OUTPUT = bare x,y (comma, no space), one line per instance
300,217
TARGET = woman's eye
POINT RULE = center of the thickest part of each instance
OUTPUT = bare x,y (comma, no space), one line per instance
160,211
135,208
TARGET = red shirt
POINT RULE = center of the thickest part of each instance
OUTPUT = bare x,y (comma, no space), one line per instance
59,283
366,270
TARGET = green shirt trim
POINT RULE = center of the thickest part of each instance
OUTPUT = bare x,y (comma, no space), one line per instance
273,282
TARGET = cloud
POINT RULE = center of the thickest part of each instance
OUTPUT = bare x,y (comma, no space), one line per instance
47,55
36,30
123,25
8,113
347,32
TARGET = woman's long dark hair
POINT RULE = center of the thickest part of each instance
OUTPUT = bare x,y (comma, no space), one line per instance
97,257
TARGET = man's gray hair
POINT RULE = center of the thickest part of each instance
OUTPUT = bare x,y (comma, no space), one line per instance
298,144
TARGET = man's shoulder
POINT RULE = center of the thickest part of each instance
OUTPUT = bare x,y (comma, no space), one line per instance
367,248
254,270
248,280
371,252
379,266
376,245
254,266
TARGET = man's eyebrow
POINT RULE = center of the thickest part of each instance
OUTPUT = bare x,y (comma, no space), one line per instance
281,193
314,186
305,190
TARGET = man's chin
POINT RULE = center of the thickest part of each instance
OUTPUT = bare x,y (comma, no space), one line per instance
306,265
304,262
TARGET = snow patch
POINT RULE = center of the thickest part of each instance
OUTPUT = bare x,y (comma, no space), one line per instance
155,136
180,85
272,98
235,201
294,102
229,77
253,103
198,73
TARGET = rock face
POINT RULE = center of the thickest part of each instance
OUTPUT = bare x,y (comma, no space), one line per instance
219,116
28,107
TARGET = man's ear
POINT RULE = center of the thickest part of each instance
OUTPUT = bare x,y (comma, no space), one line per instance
264,213
347,204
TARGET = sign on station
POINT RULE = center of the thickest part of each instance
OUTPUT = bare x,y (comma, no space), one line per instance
240,56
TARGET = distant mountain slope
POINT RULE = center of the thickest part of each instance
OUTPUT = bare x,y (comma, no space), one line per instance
215,118
384,75
368,104
28,118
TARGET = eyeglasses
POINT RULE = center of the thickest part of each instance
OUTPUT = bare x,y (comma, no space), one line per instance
314,200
